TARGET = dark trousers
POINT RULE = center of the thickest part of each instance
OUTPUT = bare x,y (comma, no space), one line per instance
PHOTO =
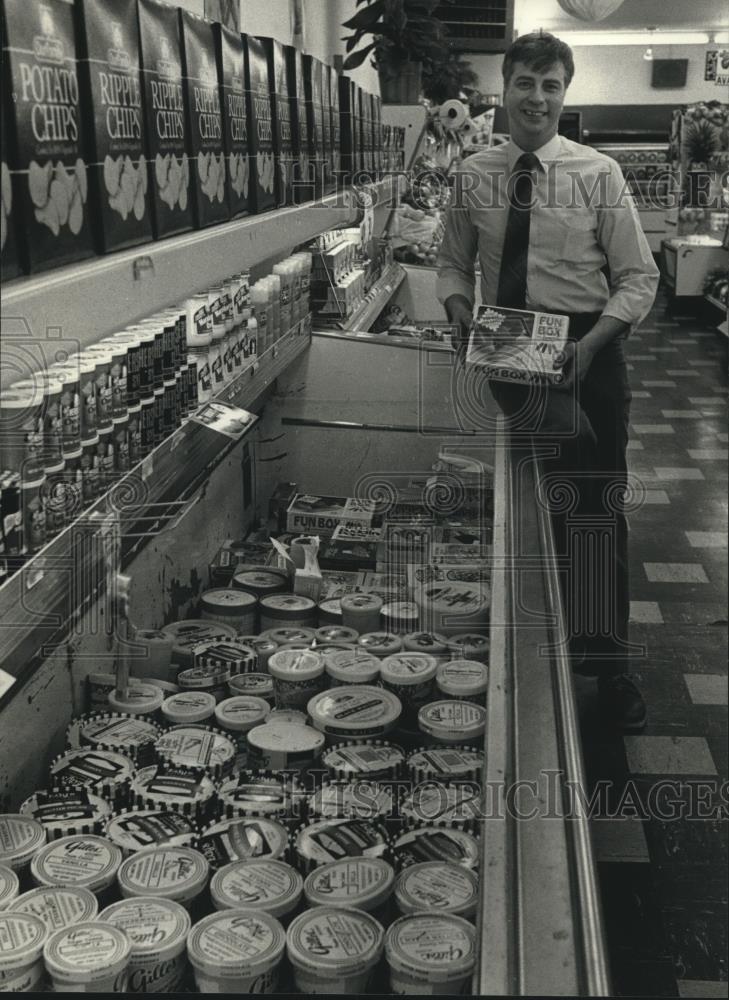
583,485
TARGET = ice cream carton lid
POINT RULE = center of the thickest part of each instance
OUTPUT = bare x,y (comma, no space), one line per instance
67,811
286,737
452,720
329,939
437,885
134,829
58,906
361,602
228,601
290,634
469,646
295,664
358,798
253,683
164,786
198,747
284,605
23,936
355,709
90,768
464,678
334,839
433,947
434,801
155,926
445,763
262,884
364,759
426,642
287,717
236,943
258,793
20,839
139,699
188,706
409,668
364,883
355,666
381,643
243,838
114,731
436,842
179,873
87,952
336,633
9,886
83,860
242,713
260,581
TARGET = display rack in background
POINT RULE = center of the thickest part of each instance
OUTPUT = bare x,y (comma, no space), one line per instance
651,180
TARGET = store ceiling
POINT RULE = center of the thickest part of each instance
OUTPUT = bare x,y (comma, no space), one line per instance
689,15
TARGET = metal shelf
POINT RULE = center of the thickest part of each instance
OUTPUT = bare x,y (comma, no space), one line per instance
716,303
372,305
38,601
82,303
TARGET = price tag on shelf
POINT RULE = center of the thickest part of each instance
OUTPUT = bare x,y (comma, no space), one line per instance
225,419
33,576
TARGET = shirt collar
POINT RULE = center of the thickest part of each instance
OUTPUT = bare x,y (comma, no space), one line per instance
549,151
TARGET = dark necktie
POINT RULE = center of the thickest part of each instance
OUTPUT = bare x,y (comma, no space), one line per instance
513,273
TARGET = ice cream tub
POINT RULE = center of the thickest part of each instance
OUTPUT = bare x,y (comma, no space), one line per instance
334,950
20,840
355,666
82,861
237,951
465,680
177,873
91,957
431,954
157,929
437,885
9,887
262,884
58,906
284,746
364,759
22,936
257,684
362,883
134,829
242,839
453,721
355,710
188,706
297,676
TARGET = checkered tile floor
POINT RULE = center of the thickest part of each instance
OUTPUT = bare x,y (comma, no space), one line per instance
663,869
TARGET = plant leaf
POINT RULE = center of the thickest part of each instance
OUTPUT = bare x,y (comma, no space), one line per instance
357,58
366,19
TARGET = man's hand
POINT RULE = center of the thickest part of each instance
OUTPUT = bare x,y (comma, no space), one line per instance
460,313
575,360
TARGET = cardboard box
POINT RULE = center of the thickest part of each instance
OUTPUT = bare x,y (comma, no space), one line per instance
327,137
164,108
358,531
337,583
231,54
46,133
313,72
208,168
9,255
301,186
111,88
336,153
350,555
348,127
262,192
311,515
281,110
513,345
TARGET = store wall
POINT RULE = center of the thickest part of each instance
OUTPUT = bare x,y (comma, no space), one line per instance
617,74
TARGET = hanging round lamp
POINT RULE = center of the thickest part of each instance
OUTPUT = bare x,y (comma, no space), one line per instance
590,10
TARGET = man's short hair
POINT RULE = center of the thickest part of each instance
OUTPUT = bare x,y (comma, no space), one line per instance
538,50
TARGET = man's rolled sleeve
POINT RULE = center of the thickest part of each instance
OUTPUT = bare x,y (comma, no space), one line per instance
457,255
633,272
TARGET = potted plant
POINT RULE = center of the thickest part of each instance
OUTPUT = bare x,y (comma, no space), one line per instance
404,35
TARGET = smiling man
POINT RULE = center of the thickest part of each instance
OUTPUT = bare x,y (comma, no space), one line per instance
555,230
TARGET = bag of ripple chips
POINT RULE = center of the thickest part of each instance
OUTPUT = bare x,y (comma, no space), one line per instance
299,123
204,121
9,261
46,134
230,54
260,128
164,109
281,109
108,37
336,124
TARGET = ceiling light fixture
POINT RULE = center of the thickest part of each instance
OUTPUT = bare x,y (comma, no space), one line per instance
598,37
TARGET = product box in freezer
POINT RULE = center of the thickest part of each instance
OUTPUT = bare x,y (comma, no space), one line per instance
46,134
111,85
313,73
262,192
9,259
281,110
299,123
513,345
230,54
208,168
309,514
164,108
